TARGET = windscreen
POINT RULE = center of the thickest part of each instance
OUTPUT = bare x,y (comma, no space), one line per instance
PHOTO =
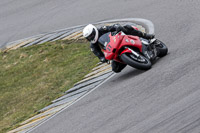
104,40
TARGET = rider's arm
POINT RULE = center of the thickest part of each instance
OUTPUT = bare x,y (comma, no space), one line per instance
131,31
97,51
127,29
112,28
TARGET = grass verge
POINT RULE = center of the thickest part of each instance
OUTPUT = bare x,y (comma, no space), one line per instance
31,77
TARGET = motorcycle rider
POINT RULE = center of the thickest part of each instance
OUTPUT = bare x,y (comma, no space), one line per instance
92,34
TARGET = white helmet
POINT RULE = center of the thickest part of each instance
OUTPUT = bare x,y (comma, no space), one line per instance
91,33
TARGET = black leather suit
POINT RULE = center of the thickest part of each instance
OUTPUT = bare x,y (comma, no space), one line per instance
127,29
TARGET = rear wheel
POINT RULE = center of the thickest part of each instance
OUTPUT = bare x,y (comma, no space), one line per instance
140,62
162,48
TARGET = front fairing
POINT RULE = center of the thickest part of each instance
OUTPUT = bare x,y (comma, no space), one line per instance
110,44
131,41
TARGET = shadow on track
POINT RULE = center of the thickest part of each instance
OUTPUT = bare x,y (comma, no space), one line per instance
130,74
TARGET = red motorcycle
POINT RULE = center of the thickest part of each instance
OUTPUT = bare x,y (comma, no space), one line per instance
132,50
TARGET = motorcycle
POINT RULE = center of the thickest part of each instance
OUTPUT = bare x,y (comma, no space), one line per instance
132,50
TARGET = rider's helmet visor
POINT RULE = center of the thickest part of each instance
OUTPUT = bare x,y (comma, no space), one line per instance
91,36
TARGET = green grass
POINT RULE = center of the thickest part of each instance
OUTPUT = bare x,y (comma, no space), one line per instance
30,78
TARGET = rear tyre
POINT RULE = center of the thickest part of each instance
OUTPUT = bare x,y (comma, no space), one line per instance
140,62
162,48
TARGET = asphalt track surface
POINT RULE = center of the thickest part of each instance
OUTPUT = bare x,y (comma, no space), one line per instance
164,99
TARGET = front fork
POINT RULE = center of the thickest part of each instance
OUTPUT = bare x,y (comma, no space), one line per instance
150,51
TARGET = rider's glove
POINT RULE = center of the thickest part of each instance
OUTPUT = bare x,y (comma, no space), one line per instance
149,36
118,27
103,59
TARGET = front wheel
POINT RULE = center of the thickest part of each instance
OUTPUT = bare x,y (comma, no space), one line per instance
140,62
162,48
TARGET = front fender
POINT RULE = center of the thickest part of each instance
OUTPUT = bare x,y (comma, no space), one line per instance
128,50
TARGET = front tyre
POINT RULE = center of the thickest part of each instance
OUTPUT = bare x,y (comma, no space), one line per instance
140,62
162,48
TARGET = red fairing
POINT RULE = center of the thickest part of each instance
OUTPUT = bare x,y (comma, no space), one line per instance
126,51
118,42
112,46
129,40
109,55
